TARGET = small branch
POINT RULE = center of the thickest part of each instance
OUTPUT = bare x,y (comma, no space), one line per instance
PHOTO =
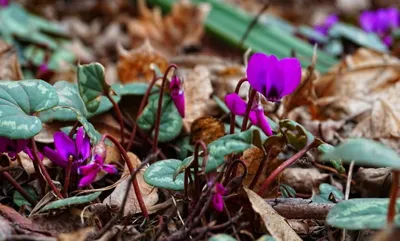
131,170
282,167
300,210
119,115
43,169
393,196
18,187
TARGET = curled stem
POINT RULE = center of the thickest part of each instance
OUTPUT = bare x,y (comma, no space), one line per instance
259,170
43,169
119,115
131,170
159,108
282,167
233,116
248,108
18,187
393,196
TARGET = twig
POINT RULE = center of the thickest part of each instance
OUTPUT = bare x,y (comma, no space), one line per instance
348,183
300,210
18,187
72,131
393,196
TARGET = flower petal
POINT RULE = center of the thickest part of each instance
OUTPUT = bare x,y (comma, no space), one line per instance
367,21
88,179
262,122
218,202
29,152
235,104
82,143
257,71
86,169
291,68
275,80
220,189
64,145
179,100
55,157
393,17
111,169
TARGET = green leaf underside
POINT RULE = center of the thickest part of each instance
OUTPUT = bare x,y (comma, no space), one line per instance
361,213
365,152
160,174
91,84
19,200
19,100
218,149
222,237
70,201
336,162
296,134
171,122
68,97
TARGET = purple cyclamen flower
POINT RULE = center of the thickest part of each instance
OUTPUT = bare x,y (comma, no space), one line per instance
238,107
4,3
66,148
89,171
12,147
177,94
273,78
217,199
327,24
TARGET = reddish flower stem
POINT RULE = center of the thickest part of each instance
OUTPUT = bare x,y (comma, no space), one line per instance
119,115
233,116
42,182
159,108
195,164
141,107
43,169
18,187
72,131
67,177
282,167
248,108
393,197
131,170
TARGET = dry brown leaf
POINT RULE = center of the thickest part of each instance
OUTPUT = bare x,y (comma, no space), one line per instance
373,182
65,222
9,65
198,90
275,224
303,179
149,193
79,235
253,157
134,65
27,164
181,28
206,129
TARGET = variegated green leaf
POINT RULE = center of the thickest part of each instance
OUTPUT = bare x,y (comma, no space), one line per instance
70,201
160,174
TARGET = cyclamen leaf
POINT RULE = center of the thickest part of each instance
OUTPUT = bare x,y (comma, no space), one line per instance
361,213
337,162
222,237
19,100
327,191
70,201
92,84
171,122
19,200
160,174
296,134
365,152
266,238
68,97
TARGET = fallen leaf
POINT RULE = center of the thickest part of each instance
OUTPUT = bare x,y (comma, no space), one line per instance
253,157
9,65
149,193
27,163
134,65
303,179
206,129
373,182
275,224
79,235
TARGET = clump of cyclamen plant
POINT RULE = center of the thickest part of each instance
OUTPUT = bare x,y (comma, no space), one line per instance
381,22
271,78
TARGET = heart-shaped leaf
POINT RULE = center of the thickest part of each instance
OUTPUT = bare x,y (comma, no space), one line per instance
365,152
160,174
361,213
171,122
135,88
222,237
336,163
19,100
104,106
296,134
92,84
70,201
68,97
327,194
218,149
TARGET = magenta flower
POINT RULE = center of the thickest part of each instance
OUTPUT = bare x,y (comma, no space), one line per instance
89,171
4,3
177,94
238,107
327,24
66,148
217,199
12,147
272,77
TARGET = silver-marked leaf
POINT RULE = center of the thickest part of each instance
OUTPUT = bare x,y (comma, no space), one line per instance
365,152
327,194
70,201
19,200
160,174
19,100
136,88
337,162
68,97
222,237
104,106
361,213
92,84
171,122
